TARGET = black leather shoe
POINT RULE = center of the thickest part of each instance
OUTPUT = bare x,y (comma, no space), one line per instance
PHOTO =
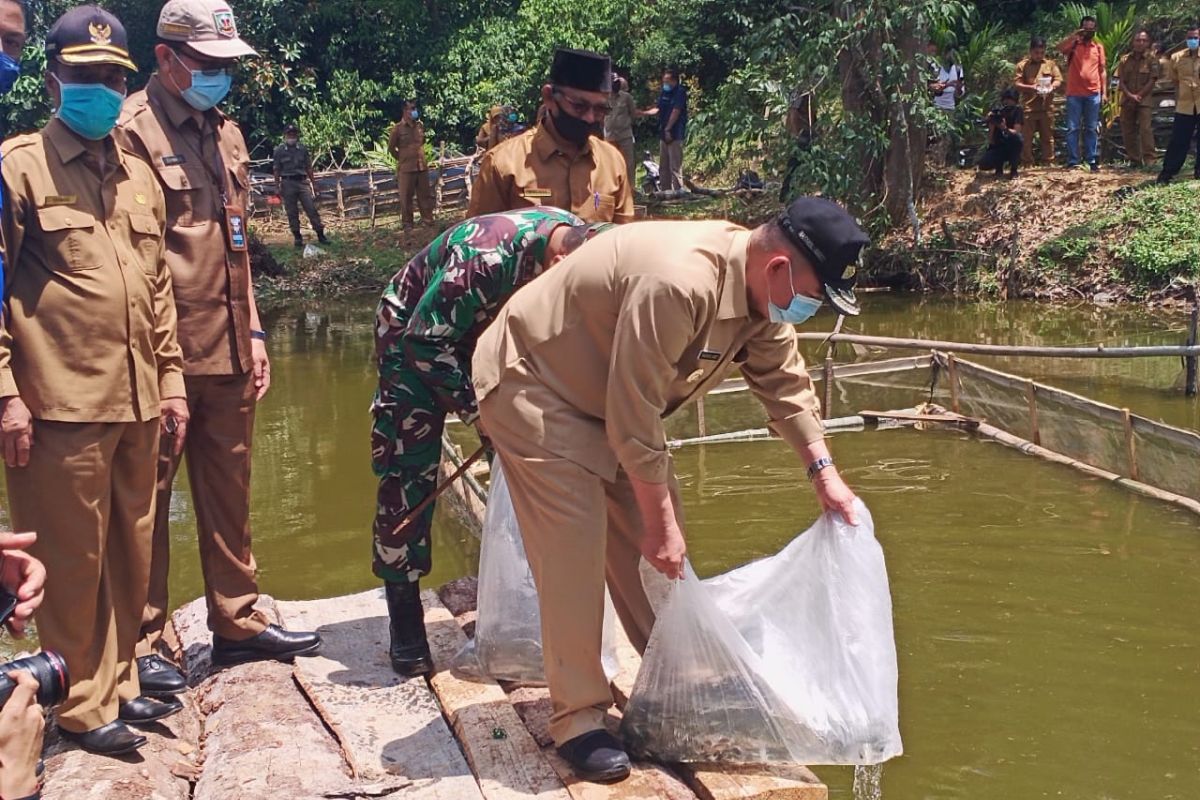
596,756
409,649
144,710
273,644
159,678
113,739
321,237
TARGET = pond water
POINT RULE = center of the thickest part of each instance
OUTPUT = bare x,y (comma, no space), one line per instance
1046,622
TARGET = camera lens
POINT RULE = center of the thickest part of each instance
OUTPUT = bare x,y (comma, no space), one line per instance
48,669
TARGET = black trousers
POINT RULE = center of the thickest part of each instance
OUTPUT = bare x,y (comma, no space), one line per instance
296,193
1183,134
1002,152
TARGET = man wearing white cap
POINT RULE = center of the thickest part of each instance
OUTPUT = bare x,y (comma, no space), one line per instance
200,158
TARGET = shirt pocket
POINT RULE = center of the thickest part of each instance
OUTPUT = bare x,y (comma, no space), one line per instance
69,237
145,236
183,194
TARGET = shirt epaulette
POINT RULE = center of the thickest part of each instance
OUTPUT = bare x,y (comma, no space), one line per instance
19,141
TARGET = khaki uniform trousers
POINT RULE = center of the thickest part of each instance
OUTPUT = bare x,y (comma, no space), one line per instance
670,166
579,532
1040,124
626,148
217,447
417,183
1137,134
88,491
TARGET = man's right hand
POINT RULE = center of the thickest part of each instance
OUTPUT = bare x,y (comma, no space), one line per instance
16,432
22,721
664,547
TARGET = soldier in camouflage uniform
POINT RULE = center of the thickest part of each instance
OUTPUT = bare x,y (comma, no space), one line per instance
428,321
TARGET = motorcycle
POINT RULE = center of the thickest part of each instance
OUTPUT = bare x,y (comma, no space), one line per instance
650,183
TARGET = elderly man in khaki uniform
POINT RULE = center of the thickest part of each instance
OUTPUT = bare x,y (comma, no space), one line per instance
1037,79
1137,74
89,365
574,379
200,159
562,161
406,143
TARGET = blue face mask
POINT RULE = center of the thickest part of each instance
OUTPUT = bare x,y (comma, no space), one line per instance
1193,44
10,70
512,117
89,109
415,114
668,88
800,309
206,91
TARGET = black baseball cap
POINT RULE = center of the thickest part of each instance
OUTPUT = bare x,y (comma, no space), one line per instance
291,128
832,241
89,35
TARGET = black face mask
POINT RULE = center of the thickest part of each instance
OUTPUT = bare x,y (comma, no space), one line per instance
575,130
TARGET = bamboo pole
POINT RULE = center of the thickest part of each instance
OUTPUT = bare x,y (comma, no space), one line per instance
1098,351
952,373
701,423
371,195
1130,444
1189,387
1031,395
827,406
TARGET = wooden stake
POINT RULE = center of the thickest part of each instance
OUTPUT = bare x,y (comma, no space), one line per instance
701,422
1035,434
1189,387
827,406
1130,444
371,194
952,372
341,198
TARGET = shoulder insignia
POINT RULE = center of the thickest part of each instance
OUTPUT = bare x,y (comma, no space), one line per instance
17,142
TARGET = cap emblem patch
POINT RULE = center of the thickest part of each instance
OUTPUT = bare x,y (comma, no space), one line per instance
225,24
850,271
101,32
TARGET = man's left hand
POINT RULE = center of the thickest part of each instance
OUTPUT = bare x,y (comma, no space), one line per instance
175,415
262,368
22,575
834,494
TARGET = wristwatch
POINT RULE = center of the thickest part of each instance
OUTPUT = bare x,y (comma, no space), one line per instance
818,465
260,335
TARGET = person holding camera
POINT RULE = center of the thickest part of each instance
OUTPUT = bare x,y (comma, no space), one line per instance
1005,140
1087,91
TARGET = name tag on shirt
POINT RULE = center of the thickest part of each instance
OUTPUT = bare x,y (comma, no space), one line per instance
535,194
60,200
235,224
710,355
172,160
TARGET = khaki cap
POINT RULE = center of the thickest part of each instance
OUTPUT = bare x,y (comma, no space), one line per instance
206,26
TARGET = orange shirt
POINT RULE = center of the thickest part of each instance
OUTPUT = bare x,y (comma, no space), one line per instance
1085,70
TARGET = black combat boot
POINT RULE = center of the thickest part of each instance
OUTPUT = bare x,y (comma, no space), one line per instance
321,236
297,241
409,649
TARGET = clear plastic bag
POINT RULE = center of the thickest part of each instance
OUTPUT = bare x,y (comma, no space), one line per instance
786,659
508,631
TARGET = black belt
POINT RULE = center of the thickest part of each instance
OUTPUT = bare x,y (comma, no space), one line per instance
295,177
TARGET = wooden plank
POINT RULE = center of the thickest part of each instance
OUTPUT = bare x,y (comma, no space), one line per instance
388,726
508,764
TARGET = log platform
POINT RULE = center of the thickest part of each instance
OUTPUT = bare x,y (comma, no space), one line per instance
343,726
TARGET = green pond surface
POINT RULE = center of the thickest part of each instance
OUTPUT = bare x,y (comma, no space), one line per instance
1047,623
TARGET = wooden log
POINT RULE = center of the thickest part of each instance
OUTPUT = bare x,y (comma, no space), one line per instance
1099,351
262,740
387,726
1130,445
507,762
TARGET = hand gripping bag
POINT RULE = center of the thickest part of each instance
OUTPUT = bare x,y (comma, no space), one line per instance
508,631
786,659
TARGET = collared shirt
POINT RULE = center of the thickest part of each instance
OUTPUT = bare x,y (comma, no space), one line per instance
1138,74
947,98
1086,65
434,310
89,327
199,158
1033,73
618,125
406,143
1184,72
668,102
629,328
292,161
536,168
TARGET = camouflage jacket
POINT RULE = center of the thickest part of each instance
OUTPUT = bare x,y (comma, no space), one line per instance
434,310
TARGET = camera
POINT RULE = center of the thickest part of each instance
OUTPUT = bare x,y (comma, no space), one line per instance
996,114
48,669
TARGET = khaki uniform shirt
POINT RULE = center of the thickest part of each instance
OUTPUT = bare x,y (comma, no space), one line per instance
407,144
618,125
538,169
1184,72
1028,72
1138,74
630,327
198,158
89,325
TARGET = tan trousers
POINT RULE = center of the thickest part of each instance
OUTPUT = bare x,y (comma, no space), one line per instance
1137,134
415,183
1041,125
670,165
626,148
88,491
218,458
579,531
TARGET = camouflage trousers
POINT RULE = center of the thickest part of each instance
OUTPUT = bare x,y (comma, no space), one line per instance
406,448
